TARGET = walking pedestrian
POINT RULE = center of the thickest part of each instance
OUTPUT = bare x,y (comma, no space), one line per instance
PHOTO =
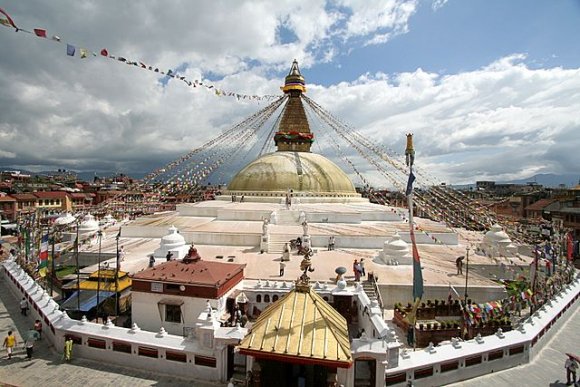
38,328
23,306
282,267
29,344
9,343
151,261
362,267
571,366
68,347
122,253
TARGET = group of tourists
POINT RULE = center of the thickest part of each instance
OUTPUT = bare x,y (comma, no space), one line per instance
358,268
32,335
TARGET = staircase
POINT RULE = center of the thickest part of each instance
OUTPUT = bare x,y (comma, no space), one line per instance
288,217
277,242
369,289
283,218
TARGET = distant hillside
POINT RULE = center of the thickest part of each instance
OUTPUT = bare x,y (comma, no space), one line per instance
548,180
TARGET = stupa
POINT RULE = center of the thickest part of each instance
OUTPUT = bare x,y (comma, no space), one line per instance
293,167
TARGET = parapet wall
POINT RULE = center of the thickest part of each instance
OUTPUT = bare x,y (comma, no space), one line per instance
459,361
133,348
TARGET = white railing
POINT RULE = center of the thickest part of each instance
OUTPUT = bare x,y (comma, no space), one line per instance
151,351
460,360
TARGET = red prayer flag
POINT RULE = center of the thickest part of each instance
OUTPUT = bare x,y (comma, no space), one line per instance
40,32
104,52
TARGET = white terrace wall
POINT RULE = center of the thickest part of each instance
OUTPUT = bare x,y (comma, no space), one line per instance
133,348
464,360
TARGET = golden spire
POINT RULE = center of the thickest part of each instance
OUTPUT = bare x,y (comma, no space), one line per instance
294,82
294,131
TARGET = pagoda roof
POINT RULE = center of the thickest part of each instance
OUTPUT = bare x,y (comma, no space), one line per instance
301,328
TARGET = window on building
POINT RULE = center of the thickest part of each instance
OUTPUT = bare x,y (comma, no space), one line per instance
173,313
267,298
259,298
274,298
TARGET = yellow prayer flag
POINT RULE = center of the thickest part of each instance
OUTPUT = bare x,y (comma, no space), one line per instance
84,52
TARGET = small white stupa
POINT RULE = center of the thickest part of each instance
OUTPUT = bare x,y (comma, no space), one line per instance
64,219
496,242
396,252
173,242
89,225
108,220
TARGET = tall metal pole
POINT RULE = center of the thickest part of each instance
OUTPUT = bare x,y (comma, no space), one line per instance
78,268
99,235
117,276
52,263
466,271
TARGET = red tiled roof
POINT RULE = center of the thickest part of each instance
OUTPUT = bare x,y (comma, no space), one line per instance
24,197
7,199
78,195
51,194
540,204
199,272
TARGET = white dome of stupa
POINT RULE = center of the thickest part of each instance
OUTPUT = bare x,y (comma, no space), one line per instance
88,225
396,251
173,239
496,234
174,242
64,219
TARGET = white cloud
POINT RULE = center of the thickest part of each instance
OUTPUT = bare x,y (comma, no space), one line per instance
438,4
504,119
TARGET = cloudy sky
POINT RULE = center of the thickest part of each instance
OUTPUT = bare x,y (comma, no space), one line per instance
490,88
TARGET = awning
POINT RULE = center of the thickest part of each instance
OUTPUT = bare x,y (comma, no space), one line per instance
88,300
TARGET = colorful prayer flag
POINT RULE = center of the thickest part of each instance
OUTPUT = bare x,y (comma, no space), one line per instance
70,50
8,19
56,38
104,52
409,190
43,256
417,274
84,52
40,32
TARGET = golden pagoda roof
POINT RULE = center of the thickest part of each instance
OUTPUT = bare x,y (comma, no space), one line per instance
302,328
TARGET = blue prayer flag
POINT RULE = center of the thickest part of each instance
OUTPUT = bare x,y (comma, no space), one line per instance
410,184
70,50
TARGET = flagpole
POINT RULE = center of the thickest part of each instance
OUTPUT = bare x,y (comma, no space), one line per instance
117,276
52,263
78,269
99,235
417,275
